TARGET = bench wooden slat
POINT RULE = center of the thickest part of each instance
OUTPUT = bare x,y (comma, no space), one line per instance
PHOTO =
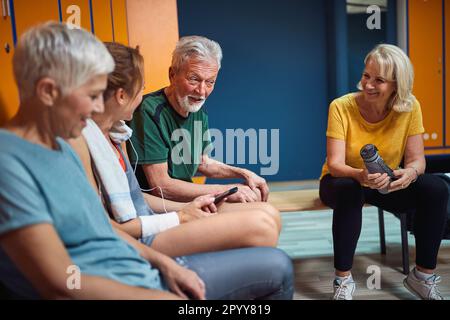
297,200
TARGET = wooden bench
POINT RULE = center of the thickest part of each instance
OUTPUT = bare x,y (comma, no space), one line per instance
308,200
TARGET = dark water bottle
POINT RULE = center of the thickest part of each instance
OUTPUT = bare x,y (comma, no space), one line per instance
375,164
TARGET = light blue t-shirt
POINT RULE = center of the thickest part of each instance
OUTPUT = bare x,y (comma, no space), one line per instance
39,185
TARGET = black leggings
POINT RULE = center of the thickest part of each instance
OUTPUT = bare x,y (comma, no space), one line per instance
427,197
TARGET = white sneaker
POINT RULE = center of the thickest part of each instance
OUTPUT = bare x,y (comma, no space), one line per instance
423,289
343,289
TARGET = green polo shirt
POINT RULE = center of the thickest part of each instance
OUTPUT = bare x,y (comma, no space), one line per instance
161,135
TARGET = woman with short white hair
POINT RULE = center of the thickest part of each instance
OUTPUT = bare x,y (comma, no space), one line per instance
55,238
385,114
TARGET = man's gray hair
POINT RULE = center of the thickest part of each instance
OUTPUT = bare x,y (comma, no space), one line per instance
195,47
71,57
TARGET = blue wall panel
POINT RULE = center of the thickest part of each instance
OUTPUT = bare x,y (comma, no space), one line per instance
273,76
360,42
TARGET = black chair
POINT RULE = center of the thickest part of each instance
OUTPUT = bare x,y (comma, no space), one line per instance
403,233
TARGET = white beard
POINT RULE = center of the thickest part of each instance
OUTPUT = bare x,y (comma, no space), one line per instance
188,106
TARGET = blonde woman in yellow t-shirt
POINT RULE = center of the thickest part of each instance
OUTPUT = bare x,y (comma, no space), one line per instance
384,113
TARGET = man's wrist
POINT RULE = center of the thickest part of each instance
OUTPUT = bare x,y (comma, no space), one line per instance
244,173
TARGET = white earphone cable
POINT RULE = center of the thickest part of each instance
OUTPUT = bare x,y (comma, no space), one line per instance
147,190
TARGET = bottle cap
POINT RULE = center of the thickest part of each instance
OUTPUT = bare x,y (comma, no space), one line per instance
368,151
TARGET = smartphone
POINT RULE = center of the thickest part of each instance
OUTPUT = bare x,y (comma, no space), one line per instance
227,193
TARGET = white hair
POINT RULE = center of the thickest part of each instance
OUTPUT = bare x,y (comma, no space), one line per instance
395,66
71,57
195,47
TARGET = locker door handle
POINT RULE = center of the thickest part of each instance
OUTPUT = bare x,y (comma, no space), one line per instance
4,12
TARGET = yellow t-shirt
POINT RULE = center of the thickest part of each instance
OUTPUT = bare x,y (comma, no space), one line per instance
388,135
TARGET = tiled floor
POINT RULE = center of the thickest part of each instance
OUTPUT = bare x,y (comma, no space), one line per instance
306,237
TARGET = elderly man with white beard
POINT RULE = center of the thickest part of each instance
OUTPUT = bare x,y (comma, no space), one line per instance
175,113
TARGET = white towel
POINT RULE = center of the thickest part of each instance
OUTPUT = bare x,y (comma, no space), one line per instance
111,173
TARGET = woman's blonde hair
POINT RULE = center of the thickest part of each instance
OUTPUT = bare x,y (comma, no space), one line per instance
395,66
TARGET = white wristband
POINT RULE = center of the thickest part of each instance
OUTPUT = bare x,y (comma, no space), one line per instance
156,223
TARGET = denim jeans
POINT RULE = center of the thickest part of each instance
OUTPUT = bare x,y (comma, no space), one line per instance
238,274
243,274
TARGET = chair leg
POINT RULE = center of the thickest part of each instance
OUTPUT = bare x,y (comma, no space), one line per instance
405,248
382,233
